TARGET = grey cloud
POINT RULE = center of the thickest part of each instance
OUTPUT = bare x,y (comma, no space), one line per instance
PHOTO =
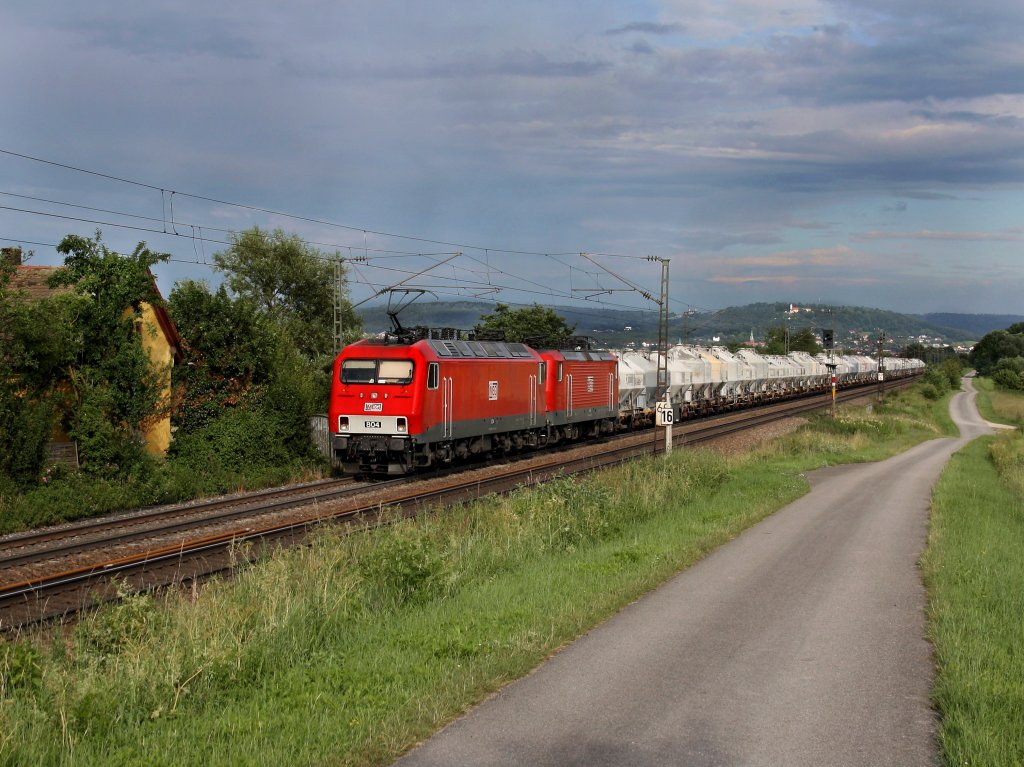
717,241
926,195
518,63
647,27
164,32
971,118
562,128
812,225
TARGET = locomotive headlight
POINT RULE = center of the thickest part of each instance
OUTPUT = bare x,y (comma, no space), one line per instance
402,426
342,423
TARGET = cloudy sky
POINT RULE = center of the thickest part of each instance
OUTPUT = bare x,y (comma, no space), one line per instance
864,152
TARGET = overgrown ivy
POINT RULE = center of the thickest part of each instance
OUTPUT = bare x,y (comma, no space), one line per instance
76,360
114,388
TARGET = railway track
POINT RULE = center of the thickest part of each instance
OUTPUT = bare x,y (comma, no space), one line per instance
59,572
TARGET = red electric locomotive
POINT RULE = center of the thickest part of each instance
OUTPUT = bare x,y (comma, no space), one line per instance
582,392
398,405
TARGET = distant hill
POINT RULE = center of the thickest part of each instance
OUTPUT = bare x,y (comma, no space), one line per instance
847,321
855,326
466,314
975,324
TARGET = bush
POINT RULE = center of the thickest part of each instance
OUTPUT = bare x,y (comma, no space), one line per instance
939,380
25,427
67,498
105,448
1008,379
930,391
953,370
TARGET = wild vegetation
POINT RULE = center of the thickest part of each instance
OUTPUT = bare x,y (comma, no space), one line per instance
537,324
975,577
257,354
780,339
1000,355
75,362
939,380
999,405
351,649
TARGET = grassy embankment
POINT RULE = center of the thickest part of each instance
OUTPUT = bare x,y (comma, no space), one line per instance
349,650
65,496
974,569
999,405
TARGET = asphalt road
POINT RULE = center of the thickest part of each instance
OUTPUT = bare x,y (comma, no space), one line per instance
802,642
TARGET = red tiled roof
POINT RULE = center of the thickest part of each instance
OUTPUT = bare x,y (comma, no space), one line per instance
32,279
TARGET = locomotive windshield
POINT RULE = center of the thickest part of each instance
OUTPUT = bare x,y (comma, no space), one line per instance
376,371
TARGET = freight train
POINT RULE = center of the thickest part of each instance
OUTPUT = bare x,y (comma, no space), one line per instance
430,398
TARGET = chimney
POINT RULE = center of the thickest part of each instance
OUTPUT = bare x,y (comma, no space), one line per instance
11,256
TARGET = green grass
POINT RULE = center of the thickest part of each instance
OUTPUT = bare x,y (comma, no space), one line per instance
999,405
974,570
352,649
68,496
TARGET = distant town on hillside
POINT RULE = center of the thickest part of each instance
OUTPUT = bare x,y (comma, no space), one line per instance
856,327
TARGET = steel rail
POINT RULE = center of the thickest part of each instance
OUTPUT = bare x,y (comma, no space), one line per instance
148,516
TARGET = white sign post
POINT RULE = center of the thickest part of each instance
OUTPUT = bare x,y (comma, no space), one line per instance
664,416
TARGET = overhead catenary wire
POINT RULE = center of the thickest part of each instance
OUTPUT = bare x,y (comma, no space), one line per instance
297,217
167,205
546,291
379,252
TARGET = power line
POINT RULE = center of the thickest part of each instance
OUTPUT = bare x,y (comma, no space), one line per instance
307,219
164,192
381,252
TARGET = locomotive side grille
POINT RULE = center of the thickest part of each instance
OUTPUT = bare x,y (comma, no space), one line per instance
445,348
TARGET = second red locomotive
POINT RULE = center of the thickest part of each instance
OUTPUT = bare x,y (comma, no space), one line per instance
403,404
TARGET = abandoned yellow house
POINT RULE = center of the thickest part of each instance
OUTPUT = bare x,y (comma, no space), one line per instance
159,338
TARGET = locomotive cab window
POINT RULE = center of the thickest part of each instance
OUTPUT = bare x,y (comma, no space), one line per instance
376,371
358,371
395,372
433,375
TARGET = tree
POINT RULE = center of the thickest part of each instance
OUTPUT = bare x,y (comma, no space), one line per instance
518,325
995,346
290,281
113,386
915,350
33,348
77,359
803,340
244,396
228,348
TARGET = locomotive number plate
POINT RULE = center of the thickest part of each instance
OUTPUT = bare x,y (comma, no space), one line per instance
373,424
373,407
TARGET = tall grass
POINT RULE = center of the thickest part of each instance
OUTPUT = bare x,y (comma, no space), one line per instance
999,405
351,649
974,570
